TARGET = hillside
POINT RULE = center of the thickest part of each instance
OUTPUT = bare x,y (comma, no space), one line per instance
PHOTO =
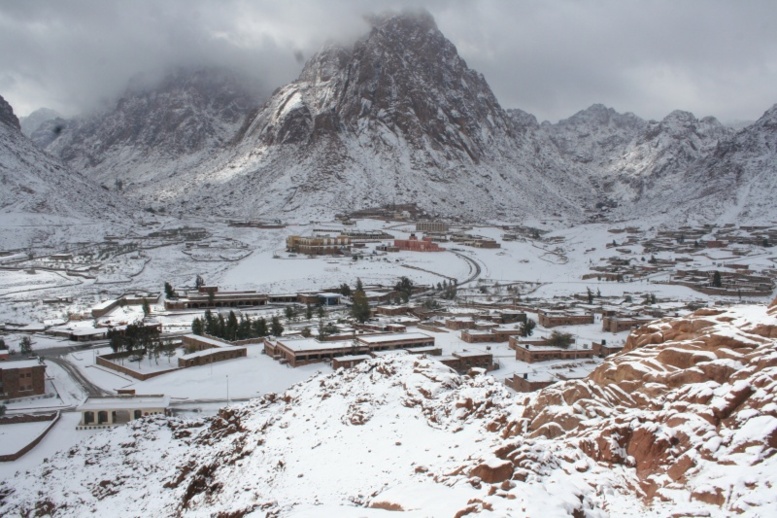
399,118
682,423
43,199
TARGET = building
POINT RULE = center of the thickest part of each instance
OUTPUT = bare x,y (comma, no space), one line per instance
564,318
301,351
101,412
22,379
391,341
207,350
602,349
525,383
212,298
436,227
463,362
346,362
413,244
540,353
618,323
318,245
472,336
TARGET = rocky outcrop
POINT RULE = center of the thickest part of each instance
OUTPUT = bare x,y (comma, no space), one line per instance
7,115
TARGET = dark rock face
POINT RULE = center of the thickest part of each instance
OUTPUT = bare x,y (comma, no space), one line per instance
186,116
7,116
403,77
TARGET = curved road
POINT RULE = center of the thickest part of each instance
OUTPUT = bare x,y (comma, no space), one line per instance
474,268
91,389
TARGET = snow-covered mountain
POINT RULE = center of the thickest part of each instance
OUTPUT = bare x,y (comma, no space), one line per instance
41,197
36,119
399,117
681,423
155,131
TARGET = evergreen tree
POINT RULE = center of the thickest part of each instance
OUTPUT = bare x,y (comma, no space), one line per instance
146,307
345,290
199,282
276,328
717,282
259,327
320,312
25,345
308,312
210,323
198,327
589,295
360,310
244,328
359,285
169,292
230,333
527,328
559,339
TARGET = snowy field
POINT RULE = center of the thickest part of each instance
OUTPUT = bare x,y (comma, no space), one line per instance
240,258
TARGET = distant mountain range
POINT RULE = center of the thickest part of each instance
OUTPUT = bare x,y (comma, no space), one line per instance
399,118
41,197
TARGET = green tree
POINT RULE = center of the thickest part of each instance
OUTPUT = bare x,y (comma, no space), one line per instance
290,312
199,282
25,345
359,285
527,328
405,288
169,291
320,312
308,312
360,310
168,350
559,339
305,332
230,331
589,295
2,344
345,290
276,328
716,280
259,327
198,327
146,307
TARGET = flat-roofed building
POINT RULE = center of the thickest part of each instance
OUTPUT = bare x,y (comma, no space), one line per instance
463,361
318,245
391,341
22,379
540,353
98,412
564,318
301,351
217,299
206,349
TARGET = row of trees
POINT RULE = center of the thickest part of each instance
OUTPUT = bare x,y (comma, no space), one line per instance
141,340
231,328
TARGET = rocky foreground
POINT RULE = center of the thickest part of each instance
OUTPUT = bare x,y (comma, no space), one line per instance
682,423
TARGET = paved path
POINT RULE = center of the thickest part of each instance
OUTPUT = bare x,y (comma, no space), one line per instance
475,269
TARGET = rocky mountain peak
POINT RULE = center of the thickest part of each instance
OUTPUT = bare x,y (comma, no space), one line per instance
7,115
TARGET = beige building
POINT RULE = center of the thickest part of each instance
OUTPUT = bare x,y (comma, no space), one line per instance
112,411
318,245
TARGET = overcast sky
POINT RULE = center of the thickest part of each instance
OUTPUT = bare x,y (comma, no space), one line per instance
550,58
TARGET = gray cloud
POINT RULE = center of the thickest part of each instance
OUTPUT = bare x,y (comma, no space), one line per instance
711,57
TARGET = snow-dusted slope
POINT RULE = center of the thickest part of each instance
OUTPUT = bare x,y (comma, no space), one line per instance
39,194
153,132
682,423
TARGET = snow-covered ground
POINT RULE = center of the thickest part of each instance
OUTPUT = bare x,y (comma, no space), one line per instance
543,269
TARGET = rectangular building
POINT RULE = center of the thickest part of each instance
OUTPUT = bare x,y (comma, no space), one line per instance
22,379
